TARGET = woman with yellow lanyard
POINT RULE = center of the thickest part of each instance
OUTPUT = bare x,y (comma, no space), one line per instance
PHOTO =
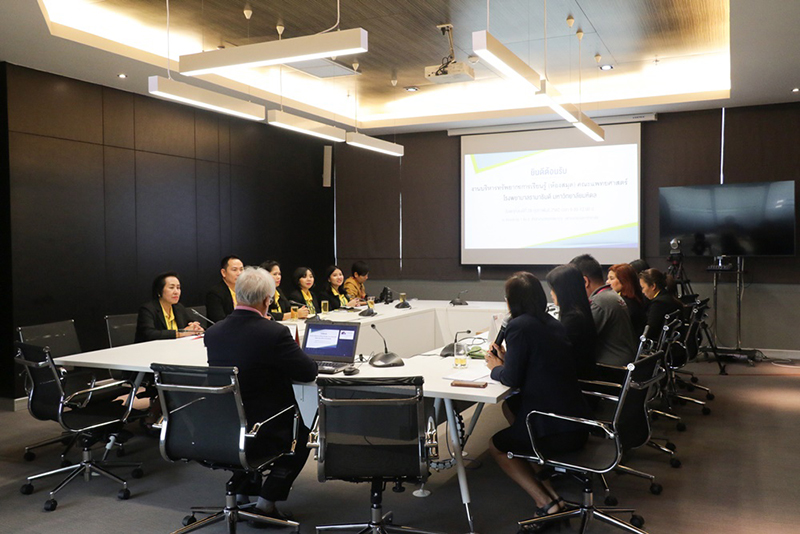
334,292
303,279
279,308
164,317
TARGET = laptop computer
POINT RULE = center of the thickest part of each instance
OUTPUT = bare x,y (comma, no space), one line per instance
332,345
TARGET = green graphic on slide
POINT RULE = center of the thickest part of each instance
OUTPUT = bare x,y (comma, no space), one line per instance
604,230
478,170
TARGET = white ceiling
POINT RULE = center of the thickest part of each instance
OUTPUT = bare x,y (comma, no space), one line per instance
764,63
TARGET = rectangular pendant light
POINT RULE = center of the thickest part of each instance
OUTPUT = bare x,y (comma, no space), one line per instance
590,128
377,145
332,44
503,60
282,119
568,112
203,98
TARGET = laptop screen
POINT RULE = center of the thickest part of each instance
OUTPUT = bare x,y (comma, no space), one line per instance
331,342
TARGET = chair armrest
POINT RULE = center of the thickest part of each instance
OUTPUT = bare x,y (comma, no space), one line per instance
257,427
609,366
602,383
600,395
605,427
93,389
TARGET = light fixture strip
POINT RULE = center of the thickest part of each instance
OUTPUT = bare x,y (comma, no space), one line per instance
325,45
568,112
590,128
503,60
288,121
203,98
377,145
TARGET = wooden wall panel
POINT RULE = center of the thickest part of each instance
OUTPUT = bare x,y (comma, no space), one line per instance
41,104
119,172
207,135
164,127
58,240
118,123
208,225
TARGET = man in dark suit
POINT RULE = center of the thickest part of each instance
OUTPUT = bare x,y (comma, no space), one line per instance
269,360
221,299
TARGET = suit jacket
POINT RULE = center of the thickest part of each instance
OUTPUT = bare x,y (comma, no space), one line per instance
663,304
297,296
281,301
615,339
538,361
268,359
334,303
219,303
151,324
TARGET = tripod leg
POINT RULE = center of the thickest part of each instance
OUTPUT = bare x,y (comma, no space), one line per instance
713,346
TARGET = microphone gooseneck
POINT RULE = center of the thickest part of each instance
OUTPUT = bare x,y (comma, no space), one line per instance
385,347
197,313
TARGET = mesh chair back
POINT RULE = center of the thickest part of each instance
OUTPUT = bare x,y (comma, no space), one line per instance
204,418
121,329
60,337
631,418
371,428
45,389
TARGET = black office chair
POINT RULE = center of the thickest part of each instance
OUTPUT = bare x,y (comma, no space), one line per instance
602,453
121,329
83,412
62,339
690,344
204,421
351,446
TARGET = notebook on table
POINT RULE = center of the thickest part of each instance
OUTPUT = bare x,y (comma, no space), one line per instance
332,345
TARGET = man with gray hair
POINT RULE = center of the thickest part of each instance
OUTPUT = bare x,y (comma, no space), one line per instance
269,360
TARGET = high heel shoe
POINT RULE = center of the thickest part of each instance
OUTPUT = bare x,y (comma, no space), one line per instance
545,511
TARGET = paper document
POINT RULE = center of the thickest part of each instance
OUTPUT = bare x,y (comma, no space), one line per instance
472,373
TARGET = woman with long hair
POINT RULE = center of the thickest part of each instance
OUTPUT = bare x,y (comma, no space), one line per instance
569,293
536,360
333,290
303,279
623,279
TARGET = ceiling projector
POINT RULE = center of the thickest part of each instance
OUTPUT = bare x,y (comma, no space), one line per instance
452,73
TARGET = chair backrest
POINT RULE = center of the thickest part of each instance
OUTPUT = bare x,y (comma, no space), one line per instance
371,428
204,418
202,311
60,337
121,329
692,340
45,390
631,418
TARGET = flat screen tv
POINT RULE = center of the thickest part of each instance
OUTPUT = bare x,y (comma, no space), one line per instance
753,219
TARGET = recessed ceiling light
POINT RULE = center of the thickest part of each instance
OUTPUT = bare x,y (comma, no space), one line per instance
606,67
411,88
122,75
796,90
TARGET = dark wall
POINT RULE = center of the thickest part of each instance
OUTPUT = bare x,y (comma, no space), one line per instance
677,149
109,188
7,370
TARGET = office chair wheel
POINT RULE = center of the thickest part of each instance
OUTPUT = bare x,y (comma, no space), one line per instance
50,505
26,489
637,521
681,427
674,462
710,396
610,500
188,520
656,489
694,380
29,456
124,494
671,446
706,410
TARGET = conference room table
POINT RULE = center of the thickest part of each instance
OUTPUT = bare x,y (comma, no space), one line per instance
415,333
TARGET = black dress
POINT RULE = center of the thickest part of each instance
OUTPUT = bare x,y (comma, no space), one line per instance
583,336
538,361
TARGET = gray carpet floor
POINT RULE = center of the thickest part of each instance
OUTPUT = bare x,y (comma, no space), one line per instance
740,475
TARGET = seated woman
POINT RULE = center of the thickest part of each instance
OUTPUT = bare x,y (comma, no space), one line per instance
662,301
303,279
623,279
333,291
567,287
164,317
537,361
279,308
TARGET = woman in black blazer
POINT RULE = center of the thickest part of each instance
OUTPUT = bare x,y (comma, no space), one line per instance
623,279
538,362
280,308
662,301
164,317
333,291
569,294
303,279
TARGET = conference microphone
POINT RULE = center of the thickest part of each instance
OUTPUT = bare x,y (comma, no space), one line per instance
387,359
501,334
458,301
197,313
452,348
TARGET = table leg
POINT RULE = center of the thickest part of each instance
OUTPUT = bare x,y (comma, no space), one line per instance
459,458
